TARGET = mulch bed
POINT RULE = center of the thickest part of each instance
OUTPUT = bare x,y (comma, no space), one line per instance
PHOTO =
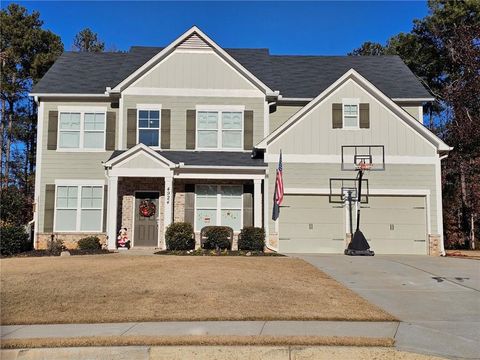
41,253
204,252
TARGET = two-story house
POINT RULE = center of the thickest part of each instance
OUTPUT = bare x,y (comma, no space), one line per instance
192,132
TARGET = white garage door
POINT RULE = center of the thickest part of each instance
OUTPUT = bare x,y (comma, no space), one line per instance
395,224
310,224
391,224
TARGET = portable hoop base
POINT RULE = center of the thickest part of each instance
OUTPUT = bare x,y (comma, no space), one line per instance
359,246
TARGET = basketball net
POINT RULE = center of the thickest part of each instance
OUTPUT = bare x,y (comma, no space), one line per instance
363,166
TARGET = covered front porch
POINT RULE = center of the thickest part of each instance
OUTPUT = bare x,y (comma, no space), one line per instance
148,190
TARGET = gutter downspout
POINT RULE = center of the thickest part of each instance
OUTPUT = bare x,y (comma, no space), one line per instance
442,243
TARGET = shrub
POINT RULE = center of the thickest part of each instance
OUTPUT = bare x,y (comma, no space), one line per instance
89,243
217,237
13,239
251,238
55,246
179,236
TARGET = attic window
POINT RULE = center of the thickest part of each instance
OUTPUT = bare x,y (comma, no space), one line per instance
350,113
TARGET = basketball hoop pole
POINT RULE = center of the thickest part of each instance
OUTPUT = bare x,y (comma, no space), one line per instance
359,196
349,198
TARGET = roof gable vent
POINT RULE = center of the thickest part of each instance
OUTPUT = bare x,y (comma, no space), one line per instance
193,42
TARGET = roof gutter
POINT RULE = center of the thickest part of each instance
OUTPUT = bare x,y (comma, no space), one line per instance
66,95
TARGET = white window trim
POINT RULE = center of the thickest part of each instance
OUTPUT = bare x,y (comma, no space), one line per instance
82,110
218,208
220,109
79,184
147,107
351,102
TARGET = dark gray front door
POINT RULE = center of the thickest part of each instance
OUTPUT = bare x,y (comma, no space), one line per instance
146,227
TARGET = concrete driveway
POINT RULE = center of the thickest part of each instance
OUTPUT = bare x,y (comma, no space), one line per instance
437,299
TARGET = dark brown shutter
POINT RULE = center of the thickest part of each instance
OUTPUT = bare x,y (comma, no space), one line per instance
364,116
131,128
190,204
105,202
49,208
337,121
52,130
165,138
247,205
248,130
191,122
110,133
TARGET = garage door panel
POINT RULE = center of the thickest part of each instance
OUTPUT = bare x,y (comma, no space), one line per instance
400,231
384,246
318,245
319,231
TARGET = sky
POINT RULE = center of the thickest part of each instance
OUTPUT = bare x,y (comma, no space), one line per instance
296,28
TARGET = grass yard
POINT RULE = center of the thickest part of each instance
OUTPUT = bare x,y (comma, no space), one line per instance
117,288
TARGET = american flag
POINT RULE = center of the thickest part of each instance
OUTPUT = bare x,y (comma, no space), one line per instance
278,195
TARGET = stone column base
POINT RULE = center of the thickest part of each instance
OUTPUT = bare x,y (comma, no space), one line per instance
434,245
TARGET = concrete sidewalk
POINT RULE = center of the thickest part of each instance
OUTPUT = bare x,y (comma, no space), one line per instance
213,328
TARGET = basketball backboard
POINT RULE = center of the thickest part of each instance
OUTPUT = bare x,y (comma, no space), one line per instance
340,187
353,155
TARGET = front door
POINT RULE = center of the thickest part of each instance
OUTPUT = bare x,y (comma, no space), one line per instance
146,219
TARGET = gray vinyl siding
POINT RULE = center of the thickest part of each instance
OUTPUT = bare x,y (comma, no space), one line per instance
314,133
396,177
282,114
190,70
413,110
180,104
68,165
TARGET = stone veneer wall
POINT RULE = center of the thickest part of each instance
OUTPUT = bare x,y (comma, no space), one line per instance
70,240
434,245
126,200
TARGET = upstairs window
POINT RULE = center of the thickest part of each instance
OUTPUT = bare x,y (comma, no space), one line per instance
350,114
81,130
219,129
149,127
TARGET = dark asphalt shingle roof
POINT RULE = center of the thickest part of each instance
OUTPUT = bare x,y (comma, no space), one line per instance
206,158
294,76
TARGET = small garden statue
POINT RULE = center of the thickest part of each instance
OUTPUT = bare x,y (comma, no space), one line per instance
122,239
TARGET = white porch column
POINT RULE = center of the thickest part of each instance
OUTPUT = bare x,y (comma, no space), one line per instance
168,208
112,203
257,203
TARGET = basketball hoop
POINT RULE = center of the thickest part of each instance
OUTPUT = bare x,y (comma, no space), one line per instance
363,166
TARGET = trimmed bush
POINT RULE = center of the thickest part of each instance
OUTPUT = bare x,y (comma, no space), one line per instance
179,236
89,243
13,239
251,238
217,237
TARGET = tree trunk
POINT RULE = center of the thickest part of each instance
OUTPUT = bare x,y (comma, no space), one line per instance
2,136
9,143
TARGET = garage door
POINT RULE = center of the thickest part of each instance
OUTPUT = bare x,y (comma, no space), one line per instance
391,224
310,224
395,224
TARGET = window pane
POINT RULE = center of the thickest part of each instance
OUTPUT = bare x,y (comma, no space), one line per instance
207,120
69,140
207,139
148,137
143,114
206,217
143,123
232,139
231,197
350,110
93,140
232,120
232,218
154,114
66,220
91,197
351,121
94,121
210,190
91,220
69,121
154,124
